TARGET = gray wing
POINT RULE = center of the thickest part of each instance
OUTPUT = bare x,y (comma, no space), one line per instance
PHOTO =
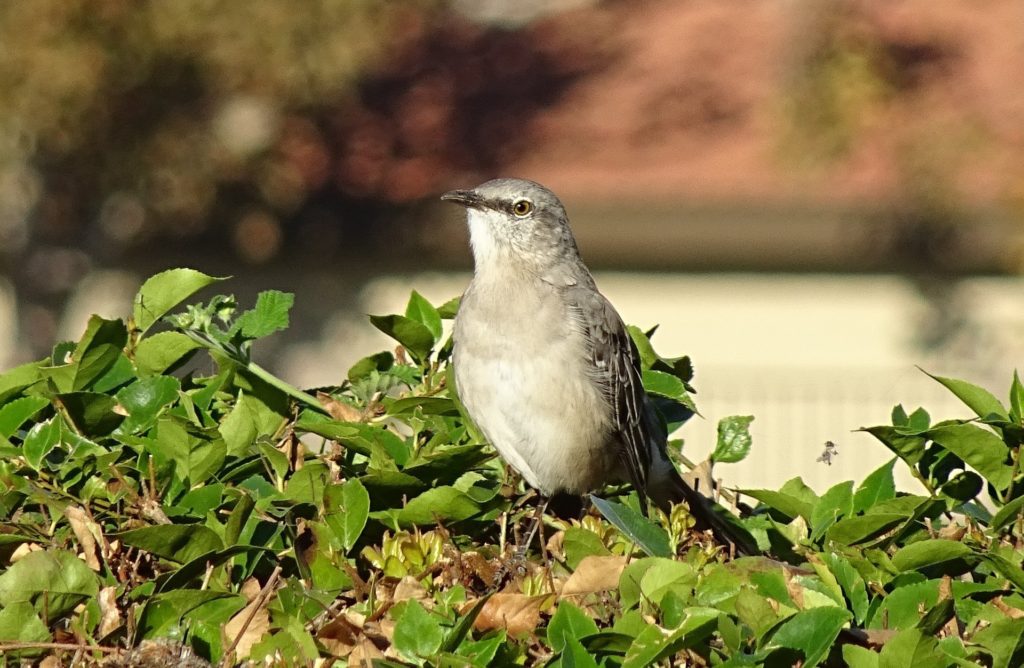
616,370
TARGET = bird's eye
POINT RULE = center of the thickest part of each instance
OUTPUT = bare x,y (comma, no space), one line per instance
522,207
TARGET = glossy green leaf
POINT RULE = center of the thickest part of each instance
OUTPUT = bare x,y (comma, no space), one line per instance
418,633
812,632
19,623
647,535
734,439
347,507
412,334
980,448
978,399
176,542
162,351
13,414
53,582
40,440
422,311
924,553
878,486
162,292
144,399
269,315
568,622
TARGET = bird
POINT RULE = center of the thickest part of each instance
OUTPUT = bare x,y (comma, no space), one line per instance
545,366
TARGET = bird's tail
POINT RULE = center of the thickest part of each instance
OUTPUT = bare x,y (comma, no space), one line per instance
666,488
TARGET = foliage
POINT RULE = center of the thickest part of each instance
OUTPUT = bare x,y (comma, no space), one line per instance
161,492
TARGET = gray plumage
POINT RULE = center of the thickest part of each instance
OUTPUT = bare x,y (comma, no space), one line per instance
543,362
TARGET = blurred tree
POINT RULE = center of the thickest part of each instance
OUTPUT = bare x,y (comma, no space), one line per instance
129,128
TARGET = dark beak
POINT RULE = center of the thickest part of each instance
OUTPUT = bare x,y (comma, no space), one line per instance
467,198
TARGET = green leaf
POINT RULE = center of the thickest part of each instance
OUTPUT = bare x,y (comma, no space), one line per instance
97,350
196,457
176,542
963,487
579,543
249,419
448,309
1017,399
162,351
1004,639
665,384
859,657
418,633
978,399
908,447
929,552
1007,569
854,530
14,413
19,623
647,535
53,581
144,399
911,648
367,365
270,315
18,378
980,448
161,293
643,346
568,622
347,508
412,334
165,611
733,439
665,576
1007,514
652,644
788,505
574,655
812,632
422,311
878,486
835,504
40,440
852,583
92,413
440,504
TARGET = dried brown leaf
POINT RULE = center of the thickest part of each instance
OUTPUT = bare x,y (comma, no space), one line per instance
339,410
340,636
595,573
110,615
87,532
411,588
24,550
517,613
364,654
252,633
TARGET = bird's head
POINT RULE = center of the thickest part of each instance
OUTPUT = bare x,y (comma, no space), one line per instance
518,222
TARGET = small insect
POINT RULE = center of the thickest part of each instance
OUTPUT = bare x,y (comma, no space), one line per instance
828,453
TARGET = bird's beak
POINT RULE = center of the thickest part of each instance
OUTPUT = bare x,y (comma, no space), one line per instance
467,198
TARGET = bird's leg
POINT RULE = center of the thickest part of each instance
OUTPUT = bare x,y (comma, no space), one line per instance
519,556
535,525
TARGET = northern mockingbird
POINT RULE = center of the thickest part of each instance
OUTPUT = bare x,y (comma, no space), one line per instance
545,366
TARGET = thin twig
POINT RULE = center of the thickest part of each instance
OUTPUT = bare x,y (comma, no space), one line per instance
68,646
260,600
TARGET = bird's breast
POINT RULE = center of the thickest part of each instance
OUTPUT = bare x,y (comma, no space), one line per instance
521,368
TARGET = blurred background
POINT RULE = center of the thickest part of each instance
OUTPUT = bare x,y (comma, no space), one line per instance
810,198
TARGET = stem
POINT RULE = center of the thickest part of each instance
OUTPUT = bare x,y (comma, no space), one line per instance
255,369
292,391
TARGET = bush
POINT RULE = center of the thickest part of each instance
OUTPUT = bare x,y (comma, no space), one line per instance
162,495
